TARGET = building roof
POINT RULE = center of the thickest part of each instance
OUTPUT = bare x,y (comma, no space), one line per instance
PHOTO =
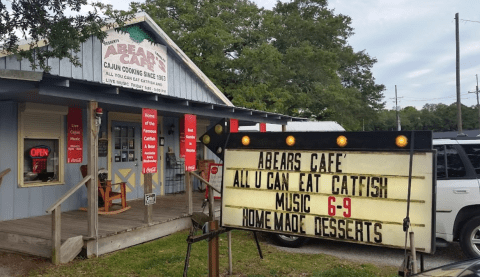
296,126
454,134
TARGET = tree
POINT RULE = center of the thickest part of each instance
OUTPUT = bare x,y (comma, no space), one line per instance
293,59
434,117
42,22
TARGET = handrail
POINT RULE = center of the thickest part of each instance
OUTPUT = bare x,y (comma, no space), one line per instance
68,194
205,181
3,173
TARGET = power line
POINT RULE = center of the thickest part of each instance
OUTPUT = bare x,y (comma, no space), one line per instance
428,99
470,20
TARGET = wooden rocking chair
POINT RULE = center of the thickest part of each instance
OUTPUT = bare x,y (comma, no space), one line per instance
105,191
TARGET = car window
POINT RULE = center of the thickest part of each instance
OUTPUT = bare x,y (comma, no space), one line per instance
473,154
441,166
455,167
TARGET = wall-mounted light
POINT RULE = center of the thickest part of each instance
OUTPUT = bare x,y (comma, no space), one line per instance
171,129
98,117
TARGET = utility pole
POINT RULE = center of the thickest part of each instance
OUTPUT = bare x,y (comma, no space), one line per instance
459,104
478,105
399,127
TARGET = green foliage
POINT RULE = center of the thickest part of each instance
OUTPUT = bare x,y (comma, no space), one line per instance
46,22
435,117
293,59
166,257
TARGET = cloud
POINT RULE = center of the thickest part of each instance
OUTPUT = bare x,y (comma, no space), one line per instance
418,73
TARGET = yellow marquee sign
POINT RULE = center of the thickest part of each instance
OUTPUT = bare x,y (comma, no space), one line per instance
349,186
343,195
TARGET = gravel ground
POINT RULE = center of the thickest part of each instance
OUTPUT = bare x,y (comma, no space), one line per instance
377,255
12,264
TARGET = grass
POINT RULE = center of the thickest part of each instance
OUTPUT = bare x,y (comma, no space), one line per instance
166,257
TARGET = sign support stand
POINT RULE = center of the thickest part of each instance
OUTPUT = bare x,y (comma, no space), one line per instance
258,245
213,264
230,266
414,254
407,264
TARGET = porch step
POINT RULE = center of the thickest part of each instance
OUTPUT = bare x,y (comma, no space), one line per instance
25,244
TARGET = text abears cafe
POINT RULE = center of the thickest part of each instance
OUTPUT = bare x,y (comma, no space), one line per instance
142,100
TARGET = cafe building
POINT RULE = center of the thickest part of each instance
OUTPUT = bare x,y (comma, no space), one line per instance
52,124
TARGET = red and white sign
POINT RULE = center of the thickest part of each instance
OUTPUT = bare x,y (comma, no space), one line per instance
131,64
215,178
149,141
39,155
74,136
188,141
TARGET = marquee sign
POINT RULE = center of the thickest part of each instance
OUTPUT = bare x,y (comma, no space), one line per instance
130,64
316,188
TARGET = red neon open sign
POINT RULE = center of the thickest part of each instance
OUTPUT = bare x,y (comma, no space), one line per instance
39,152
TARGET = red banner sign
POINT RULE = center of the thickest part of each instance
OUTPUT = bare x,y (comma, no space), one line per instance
149,141
188,144
74,136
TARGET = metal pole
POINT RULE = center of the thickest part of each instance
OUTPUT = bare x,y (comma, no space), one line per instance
230,267
478,105
406,220
459,104
414,253
399,128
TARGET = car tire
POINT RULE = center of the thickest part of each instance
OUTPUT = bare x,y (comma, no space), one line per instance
289,241
470,238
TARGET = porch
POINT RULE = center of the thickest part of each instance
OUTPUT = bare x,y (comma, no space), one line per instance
34,235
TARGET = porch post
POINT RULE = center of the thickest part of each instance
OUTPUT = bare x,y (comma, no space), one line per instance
56,234
188,190
92,169
147,188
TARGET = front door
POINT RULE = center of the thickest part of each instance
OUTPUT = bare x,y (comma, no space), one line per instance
126,158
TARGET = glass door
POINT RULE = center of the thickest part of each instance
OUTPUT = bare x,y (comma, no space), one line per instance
126,158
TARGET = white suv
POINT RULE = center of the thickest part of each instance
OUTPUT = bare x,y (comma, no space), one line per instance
458,192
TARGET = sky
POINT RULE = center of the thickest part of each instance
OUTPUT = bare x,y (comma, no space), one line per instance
414,44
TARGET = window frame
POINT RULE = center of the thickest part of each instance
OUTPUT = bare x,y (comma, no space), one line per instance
37,109
469,170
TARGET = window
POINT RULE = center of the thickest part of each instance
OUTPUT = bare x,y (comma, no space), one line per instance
441,162
41,144
455,167
473,154
449,163
124,143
